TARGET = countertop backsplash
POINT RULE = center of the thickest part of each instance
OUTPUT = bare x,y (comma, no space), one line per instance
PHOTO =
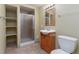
48,28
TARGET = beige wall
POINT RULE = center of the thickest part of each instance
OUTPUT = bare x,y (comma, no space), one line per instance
2,30
67,22
42,19
37,22
2,25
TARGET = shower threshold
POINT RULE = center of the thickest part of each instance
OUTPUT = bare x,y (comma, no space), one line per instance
26,43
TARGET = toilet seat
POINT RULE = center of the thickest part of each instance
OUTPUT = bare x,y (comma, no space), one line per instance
58,51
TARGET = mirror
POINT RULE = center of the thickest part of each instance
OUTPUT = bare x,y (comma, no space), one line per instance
50,17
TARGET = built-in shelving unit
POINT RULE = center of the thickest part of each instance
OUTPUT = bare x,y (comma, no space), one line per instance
11,24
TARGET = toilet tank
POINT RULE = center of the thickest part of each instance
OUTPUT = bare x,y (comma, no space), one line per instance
67,44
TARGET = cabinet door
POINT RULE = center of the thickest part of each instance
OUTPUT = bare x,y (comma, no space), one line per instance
43,42
50,43
2,29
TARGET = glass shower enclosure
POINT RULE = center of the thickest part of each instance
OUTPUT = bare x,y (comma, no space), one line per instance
27,27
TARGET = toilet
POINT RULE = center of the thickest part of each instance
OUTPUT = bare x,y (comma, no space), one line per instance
67,45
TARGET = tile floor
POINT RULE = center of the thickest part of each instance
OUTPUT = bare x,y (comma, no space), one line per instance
33,48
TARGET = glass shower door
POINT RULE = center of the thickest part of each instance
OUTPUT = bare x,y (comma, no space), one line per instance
27,27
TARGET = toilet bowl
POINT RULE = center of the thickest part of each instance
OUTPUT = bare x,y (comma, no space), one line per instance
67,45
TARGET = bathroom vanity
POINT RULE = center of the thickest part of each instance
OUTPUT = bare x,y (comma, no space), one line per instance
48,31
47,41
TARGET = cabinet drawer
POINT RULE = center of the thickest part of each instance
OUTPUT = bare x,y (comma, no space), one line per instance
52,34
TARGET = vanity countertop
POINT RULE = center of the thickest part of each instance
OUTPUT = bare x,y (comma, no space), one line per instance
47,31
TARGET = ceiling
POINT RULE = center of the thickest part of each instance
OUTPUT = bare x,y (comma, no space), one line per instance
38,5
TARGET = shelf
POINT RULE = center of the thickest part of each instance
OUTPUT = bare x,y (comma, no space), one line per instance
11,18
10,26
10,34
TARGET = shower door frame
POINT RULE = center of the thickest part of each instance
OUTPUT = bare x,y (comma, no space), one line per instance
19,25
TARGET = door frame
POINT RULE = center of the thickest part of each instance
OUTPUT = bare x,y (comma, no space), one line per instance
18,23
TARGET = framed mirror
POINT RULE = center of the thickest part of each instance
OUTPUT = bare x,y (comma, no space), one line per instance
50,16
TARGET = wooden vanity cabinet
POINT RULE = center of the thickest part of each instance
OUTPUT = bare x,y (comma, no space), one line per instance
47,41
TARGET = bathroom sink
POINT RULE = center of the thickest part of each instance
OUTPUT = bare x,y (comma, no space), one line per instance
47,31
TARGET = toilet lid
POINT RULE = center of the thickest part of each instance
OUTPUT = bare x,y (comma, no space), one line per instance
58,51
